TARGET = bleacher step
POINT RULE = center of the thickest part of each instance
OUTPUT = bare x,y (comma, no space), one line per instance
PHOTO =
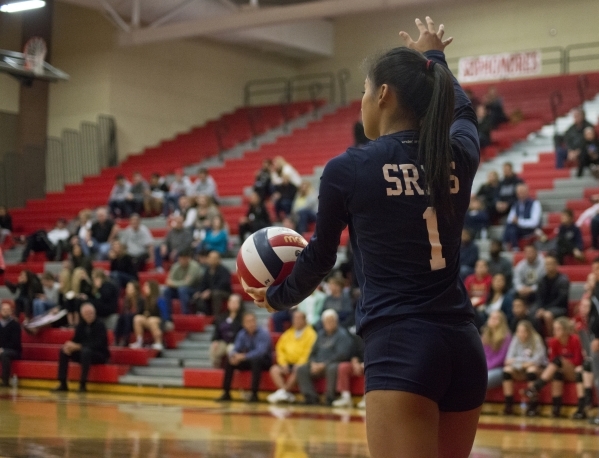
201,345
197,364
150,381
164,362
205,336
157,371
181,354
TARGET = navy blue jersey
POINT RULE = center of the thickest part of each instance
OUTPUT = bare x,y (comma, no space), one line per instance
406,255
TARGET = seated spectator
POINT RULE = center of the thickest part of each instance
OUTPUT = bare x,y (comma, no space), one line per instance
120,197
347,370
484,125
183,281
283,197
573,142
506,192
177,239
81,235
177,188
487,193
566,364
304,207
592,320
478,285
312,307
5,224
137,241
132,304
226,326
589,152
569,238
89,346
468,254
49,299
54,243
293,349
552,296
338,298
103,232
2,263
122,267
27,288
187,209
498,264
591,217
519,313
137,193
527,274
494,106
217,237
204,185
333,346
104,298
10,340
206,211
215,286
262,182
79,259
256,218
76,288
251,351
525,359
282,168
151,315
155,195
496,338
477,218
497,300
360,138
524,218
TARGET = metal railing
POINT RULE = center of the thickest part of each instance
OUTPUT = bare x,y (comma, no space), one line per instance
579,53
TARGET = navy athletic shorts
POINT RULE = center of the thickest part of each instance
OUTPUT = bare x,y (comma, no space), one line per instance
443,362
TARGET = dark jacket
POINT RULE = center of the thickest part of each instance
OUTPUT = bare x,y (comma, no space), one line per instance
82,261
124,264
333,348
574,137
10,336
488,194
553,293
92,336
507,189
106,299
6,222
219,280
227,331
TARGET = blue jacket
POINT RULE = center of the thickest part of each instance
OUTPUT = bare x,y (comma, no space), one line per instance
258,345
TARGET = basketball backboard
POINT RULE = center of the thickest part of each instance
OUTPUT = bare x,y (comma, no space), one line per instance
14,63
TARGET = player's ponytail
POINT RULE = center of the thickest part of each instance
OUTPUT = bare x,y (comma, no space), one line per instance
425,93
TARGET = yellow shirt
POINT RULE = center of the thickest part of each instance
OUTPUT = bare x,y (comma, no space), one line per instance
295,350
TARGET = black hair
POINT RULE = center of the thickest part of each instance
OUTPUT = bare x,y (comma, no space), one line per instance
424,93
569,212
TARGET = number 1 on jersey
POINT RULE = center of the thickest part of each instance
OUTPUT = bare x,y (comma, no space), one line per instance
437,259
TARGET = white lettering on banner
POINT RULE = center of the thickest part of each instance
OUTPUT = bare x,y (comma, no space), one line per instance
499,66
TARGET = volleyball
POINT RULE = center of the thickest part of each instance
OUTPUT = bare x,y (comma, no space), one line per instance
267,257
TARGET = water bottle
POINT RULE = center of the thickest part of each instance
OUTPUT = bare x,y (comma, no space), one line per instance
15,381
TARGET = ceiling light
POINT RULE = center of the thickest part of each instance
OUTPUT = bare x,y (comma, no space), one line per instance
14,7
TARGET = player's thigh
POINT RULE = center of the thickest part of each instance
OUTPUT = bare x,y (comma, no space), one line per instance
456,433
401,424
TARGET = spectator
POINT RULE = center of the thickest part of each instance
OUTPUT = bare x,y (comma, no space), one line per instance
304,207
527,274
177,188
524,361
82,236
122,267
333,345
137,193
10,340
592,318
283,197
120,197
569,238
2,263
488,194
217,237
89,346
28,288
292,350
155,195
478,284
103,232
566,364
132,304
187,209
262,182
573,139
497,300
177,239
468,254
552,295
215,286
524,218
151,315
256,218
104,298
183,280
484,125
226,327
205,185
312,307
360,138
498,264
494,106
206,211
137,241
519,313
347,370
54,243
251,351
591,217
589,153
79,259
477,218
49,299
338,298
280,169
5,224
506,193
76,288
496,339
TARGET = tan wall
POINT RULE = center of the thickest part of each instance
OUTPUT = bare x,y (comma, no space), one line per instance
485,27
10,38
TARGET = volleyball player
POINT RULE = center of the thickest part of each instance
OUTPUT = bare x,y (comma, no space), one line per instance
404,197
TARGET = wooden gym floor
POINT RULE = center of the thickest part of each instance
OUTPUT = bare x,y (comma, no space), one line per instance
35,423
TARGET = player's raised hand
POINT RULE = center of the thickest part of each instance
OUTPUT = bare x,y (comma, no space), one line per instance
259,296
430,39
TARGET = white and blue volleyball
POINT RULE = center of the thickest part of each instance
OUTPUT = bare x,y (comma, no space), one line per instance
267,257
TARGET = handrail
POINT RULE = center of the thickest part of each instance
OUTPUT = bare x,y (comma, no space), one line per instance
569,58
314,83
343,76
582,83
287,89
555,100
267,86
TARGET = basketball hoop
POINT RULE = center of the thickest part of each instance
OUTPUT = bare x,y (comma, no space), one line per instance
35,53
